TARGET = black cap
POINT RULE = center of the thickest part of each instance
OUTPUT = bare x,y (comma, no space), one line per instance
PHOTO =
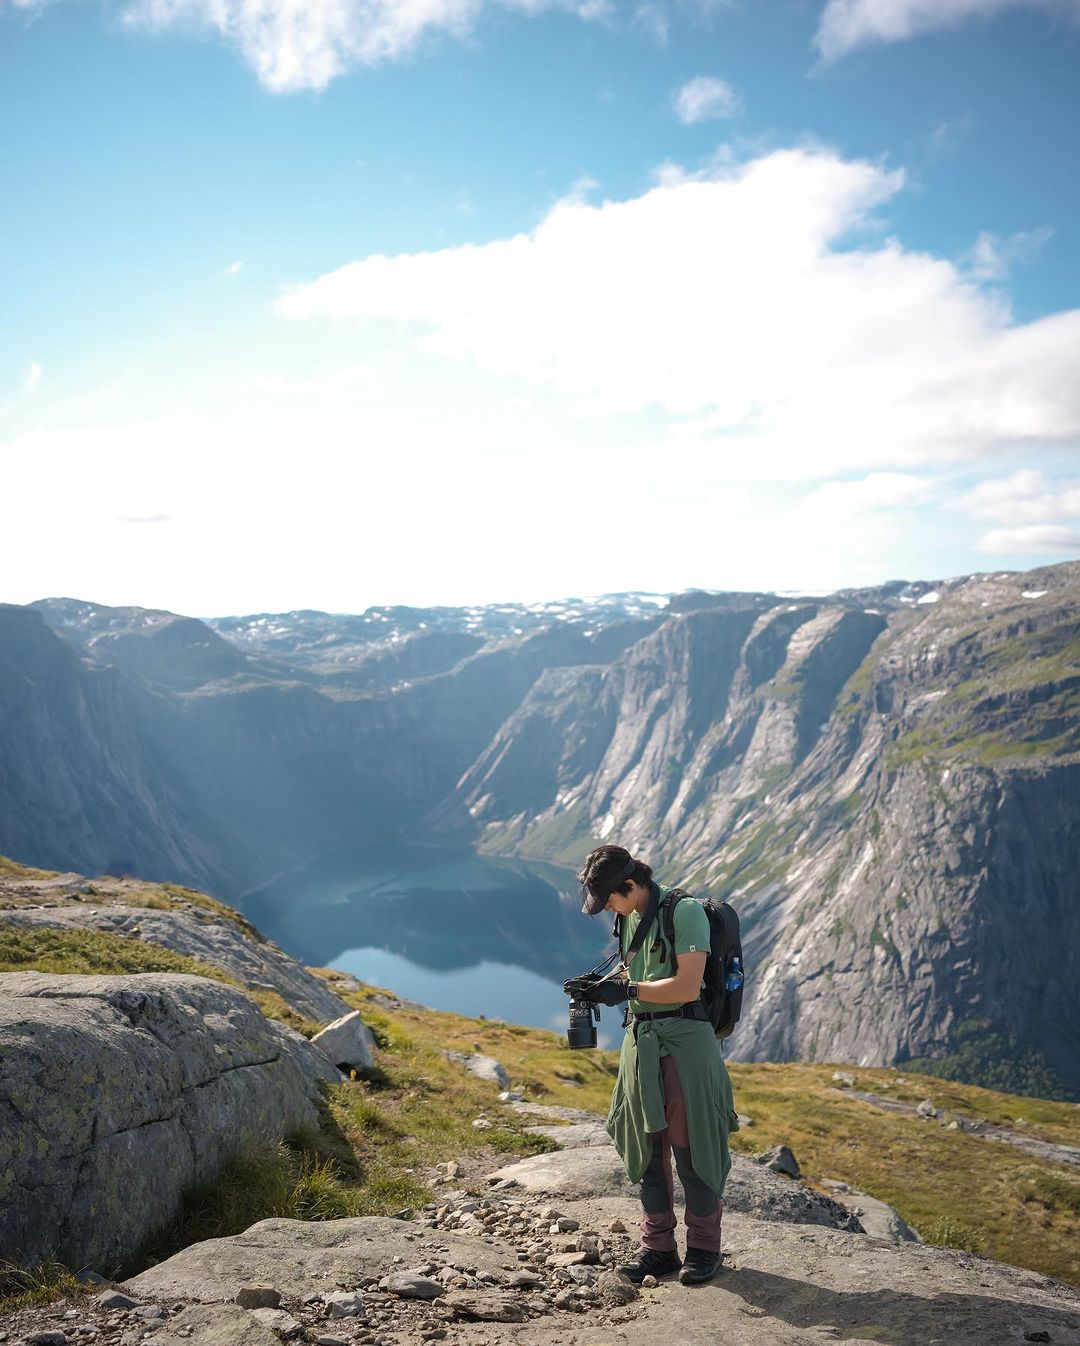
595,895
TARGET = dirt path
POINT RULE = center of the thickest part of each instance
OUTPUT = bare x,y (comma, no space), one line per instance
1041,1149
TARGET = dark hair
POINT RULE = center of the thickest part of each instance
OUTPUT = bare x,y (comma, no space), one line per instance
605,862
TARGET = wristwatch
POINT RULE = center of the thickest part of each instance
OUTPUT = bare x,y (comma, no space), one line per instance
632,990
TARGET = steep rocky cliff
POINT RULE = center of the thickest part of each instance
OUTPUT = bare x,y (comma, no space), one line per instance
886,786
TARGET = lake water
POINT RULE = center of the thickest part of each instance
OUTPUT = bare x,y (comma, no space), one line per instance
478,935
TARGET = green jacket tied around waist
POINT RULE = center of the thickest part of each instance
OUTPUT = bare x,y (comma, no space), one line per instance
637,1103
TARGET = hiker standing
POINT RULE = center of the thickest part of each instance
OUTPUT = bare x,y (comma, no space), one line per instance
673,1095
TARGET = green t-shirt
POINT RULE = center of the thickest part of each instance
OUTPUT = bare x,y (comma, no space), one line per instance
653,961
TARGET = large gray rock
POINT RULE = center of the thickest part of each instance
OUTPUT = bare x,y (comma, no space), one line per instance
766,1195
255,962
878,1218
347,1042
483,1067
117,1093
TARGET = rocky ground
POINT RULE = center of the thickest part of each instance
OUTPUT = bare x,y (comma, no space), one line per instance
527,1254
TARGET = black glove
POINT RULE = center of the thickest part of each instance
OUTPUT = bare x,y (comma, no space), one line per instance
596,992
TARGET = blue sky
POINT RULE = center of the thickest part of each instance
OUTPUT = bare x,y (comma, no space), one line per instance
451,301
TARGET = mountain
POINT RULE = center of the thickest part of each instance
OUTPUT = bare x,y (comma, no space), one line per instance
888,793
884,782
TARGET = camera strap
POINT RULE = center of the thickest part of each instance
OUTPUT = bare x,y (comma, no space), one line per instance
644,925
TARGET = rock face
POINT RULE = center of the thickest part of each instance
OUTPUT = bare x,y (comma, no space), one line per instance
117,1093
885,784
252,960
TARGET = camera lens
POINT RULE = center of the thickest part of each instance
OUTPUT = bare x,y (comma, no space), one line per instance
581,1032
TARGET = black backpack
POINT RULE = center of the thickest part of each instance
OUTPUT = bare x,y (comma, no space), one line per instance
722,981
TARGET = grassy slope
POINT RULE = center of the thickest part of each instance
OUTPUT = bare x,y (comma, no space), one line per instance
380,1134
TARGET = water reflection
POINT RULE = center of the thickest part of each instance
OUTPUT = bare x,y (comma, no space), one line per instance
485,991
457,931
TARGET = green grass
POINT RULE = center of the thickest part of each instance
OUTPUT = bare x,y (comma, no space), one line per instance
955,1189
11,869
95,953
26,1288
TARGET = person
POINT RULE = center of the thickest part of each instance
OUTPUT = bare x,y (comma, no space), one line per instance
672,1097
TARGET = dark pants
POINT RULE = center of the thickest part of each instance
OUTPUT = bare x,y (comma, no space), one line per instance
703,1207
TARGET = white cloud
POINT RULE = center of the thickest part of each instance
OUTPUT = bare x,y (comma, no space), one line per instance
305,44
1037,539
836,501
33,377
993,257
704,99
735,303
234,268
1039,517
846,24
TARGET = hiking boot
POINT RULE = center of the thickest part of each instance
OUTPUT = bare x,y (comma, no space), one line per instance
701,1265
650,1263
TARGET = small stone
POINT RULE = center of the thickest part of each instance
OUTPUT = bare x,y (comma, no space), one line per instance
616,1288
47,1339
844,1077
926,1108
345,1304
616,1227
481,1124
567,1259
1037,1336
326,1340
113,1299
649,1282
258,1297
565,1225
487,1306
525,1280
151,1313
410,1285
88,1277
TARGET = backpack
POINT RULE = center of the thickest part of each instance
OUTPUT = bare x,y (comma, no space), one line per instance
722,980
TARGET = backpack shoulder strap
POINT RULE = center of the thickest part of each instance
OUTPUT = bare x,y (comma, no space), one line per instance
674,897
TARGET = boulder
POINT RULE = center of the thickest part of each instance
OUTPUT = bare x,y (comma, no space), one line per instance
781,1160
347,1042
754,1190
118,1093
877,1218
483,1067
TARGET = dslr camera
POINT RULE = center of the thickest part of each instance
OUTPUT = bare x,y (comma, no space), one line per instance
584,1015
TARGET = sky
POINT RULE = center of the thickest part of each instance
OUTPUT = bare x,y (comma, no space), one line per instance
354,302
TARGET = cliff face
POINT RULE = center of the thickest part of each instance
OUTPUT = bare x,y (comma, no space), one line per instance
887,791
